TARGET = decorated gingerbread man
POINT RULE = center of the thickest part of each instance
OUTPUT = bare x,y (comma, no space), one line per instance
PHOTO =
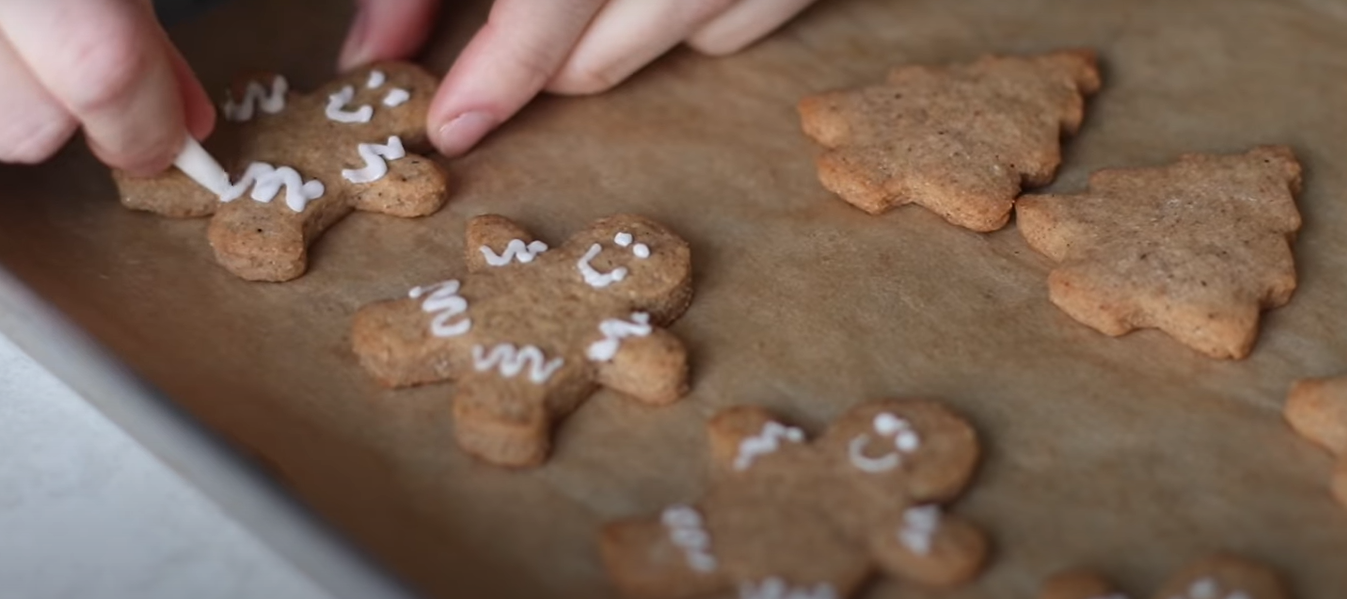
300,163
789,519
1218,576
532,331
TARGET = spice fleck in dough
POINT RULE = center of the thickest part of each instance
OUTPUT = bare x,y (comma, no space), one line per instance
1196,248
959,140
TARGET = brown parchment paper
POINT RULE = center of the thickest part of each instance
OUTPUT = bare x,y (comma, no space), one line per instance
1131,455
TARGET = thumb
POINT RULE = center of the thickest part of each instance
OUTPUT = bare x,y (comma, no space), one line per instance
385,29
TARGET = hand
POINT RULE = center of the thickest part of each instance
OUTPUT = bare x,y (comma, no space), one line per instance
561,46
103,65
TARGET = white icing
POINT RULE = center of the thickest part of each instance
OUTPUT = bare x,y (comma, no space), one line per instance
765,442
267,181
376,79
445,302
511,361
919,527
614,331
197,163
515,250
375,156
688,533
336,108
255,96
625,239
1204,588
396,97
1207,588
595,278
775,588
905,441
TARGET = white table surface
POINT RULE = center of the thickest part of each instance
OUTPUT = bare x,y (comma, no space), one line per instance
85,512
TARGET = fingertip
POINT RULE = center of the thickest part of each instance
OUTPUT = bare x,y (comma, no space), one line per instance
461,133
385,30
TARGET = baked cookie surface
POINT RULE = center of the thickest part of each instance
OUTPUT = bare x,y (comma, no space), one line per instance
959,140
1197,248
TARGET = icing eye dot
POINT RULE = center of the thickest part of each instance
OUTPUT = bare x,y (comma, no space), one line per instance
623,239
396,97
641,250
907,441
376,79
888,424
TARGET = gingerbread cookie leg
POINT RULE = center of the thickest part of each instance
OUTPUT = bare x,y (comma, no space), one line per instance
931,548
504,411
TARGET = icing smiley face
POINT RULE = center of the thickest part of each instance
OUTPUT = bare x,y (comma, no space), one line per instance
907,450
631,259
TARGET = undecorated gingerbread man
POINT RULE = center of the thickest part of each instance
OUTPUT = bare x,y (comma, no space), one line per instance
300,163
532,331
786,518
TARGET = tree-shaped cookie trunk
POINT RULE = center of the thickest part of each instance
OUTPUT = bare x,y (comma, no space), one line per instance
1218,576
789,518
1317,410
532,331
301,162
959,140
1196,248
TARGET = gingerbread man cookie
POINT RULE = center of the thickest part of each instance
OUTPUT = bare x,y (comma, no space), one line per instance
959,140
1317,409
531,331
789,518
1220,576
300,163
1196,248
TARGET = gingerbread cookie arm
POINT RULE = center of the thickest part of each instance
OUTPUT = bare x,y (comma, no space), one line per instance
1317,410
416,340
1078,584
648,364
741,435
493,241
931,548
659,558
413,186
171,193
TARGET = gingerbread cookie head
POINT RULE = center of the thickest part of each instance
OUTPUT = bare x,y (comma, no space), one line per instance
532,329
958,140
1196,248
301,162
785,517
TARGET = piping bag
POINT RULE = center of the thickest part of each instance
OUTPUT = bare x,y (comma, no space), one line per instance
198,164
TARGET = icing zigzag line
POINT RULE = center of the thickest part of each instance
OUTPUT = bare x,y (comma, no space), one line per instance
375,166
255,96
512,361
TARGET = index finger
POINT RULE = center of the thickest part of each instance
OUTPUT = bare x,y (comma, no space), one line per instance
107,62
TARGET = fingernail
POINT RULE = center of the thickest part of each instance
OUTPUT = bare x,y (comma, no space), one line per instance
461,134
354,52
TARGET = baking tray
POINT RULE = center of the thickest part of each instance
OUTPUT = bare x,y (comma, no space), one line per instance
1131,455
